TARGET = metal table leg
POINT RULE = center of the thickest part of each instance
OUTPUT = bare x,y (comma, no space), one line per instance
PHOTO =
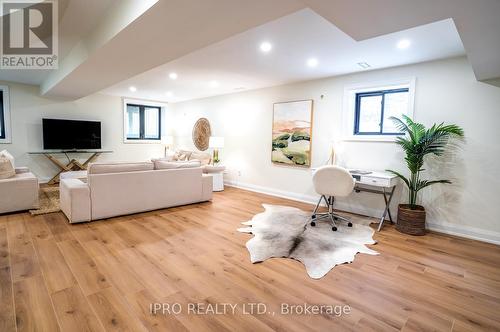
387,210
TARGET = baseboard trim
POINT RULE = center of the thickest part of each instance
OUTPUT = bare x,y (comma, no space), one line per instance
467,232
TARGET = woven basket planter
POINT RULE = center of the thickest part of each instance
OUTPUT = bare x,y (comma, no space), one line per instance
411,221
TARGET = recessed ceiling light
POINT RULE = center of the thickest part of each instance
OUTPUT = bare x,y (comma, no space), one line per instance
214,84
132,89
312,62
364,65
173,76
403,43
266,47
169,94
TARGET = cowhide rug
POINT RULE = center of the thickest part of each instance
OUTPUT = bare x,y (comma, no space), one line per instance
283,231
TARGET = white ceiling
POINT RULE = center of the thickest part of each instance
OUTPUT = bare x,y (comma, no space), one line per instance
140,35
110,44
237,64
477,21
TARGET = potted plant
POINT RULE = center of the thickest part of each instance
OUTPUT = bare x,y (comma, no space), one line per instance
417,143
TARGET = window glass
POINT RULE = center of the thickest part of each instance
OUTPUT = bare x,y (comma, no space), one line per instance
370,111
395,104
133,122
2,117
151,122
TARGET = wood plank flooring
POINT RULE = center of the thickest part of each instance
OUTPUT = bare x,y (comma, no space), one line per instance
103,276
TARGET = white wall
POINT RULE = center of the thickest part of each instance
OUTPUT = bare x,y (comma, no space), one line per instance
28,108
445,91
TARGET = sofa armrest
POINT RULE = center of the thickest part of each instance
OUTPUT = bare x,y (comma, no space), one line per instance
18,193
20,170
207,187
75,200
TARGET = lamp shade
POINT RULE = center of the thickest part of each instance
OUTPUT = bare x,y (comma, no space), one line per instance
216,142
167,140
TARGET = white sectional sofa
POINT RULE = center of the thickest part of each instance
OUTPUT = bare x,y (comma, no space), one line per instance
115,189
19,192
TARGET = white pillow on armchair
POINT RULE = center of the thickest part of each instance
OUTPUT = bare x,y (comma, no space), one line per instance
7,170
6,154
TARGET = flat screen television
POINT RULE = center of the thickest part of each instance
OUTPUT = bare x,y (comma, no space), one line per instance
71,134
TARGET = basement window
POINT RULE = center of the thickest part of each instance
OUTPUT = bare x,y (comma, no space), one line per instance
142,122
368,109
5,133
374,110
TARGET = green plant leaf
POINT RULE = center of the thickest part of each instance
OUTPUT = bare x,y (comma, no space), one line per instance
418,142
401,176
424,183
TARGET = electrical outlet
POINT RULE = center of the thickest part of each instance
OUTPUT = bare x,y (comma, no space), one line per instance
239,173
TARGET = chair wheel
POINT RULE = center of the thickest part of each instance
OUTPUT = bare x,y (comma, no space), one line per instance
349,224
334,228
313,223
335,218
313,216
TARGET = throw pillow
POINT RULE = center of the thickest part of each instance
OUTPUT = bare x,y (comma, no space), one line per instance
203,157
182,155
6,168
6,154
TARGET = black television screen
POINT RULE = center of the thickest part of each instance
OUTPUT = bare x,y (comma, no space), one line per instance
71,134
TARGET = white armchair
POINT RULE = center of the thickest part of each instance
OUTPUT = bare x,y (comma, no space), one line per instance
19,192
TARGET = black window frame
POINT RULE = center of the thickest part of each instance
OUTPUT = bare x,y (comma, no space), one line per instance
142,122
382,93
3,134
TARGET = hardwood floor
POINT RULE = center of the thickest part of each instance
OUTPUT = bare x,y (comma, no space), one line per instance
104,275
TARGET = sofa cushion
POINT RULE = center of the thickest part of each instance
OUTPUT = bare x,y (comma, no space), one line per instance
120,167
6,154
153,160
203,157
7,170
159,164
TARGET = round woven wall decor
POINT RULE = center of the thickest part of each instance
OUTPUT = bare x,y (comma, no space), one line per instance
201,134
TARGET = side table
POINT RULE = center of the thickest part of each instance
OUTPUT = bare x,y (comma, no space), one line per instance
217,173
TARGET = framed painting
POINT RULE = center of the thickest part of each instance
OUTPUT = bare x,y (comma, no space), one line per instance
292,133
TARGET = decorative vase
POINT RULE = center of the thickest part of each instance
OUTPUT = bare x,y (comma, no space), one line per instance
411,221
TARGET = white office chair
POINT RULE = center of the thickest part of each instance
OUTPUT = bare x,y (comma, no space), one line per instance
331,182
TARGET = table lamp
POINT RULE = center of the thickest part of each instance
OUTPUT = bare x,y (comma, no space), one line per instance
216,143
168,141
336,148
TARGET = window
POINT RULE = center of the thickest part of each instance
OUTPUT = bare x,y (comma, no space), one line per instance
2,121
142,122
5,135
368,107
375,108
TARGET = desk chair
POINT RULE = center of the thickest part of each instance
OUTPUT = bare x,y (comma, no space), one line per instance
331,182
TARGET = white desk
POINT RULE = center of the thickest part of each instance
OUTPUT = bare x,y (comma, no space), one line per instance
382,183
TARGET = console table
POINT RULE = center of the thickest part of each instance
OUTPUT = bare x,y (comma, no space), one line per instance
73,164
382,183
